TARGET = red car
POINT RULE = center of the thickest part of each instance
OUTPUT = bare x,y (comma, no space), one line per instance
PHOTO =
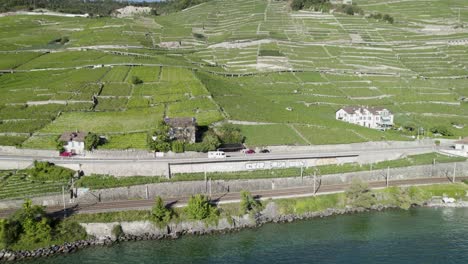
249,151
66,154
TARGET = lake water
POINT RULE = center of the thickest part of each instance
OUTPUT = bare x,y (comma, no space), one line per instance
423,235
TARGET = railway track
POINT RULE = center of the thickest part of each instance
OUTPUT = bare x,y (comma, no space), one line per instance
226,197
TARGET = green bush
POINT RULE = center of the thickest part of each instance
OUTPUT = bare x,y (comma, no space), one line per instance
91,141
117,231
177,146
136,80
441,130
248,203
199,208
359,194
68,231
160,214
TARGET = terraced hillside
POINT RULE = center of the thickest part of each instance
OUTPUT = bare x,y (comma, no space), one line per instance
246,61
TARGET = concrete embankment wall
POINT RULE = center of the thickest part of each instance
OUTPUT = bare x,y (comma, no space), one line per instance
139,228
177,189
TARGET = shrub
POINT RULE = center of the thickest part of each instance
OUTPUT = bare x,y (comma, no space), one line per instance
177,146
199,208
91,141
70,231
160,214
359,195
441,130
248,203
117,231
136,80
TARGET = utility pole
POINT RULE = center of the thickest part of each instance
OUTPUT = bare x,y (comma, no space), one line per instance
388,175
302,170
210,188
63,200
454,172
315,189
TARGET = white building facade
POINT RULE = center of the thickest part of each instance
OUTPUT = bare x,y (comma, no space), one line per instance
370,117
74,142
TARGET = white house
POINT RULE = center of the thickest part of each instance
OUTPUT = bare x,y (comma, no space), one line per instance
74,142
371,117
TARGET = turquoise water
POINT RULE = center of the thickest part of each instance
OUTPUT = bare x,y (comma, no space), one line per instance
417,236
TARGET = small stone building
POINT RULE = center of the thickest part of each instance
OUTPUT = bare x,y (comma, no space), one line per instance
182,128
74,142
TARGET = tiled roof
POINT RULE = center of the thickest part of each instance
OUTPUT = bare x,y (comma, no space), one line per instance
73,136
353,109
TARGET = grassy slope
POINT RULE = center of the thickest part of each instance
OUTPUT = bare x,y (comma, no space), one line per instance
314,96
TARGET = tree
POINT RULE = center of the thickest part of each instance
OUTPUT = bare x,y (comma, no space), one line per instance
136,80
359,194
159,140
229,134
91,141
160,213
199,208
248,203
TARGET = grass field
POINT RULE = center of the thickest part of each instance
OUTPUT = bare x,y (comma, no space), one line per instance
244,60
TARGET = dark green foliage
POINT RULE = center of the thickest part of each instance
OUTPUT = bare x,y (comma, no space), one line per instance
91,141
199,36
359,194
248,203
210,142
379,16
199,208
69,231
178,146
162,142
316,5
160,214
441,130
229,134
136,80
44,171
9,232
117,231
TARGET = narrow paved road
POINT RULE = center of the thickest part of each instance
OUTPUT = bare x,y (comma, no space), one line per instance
229,197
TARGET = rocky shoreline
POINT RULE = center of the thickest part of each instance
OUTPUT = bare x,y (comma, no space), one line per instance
268,215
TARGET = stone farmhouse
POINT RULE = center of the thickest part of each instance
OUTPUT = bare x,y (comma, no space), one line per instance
182,128
74,142
370,117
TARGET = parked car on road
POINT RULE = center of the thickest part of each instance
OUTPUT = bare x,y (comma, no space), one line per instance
249,151
66,154
264,151
216,155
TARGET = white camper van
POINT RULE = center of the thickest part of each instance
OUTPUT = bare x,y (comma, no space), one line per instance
216,155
